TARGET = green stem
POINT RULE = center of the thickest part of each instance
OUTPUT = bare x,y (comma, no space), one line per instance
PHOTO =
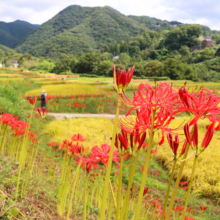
23,154
119,189
85,198
178,178
131,176
168,189
107,178
146,165
189,187
73,189
113,195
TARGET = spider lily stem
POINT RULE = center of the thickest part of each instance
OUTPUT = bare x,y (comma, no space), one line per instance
146,165
178,179
168,189
189,187
107,178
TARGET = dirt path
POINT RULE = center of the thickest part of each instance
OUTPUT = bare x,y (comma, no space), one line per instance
77,115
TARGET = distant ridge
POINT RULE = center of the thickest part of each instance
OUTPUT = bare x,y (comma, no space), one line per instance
13,32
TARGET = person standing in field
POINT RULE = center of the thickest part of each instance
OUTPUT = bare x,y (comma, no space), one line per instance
43,97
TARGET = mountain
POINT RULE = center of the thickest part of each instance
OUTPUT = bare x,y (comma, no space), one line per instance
77,30
13,32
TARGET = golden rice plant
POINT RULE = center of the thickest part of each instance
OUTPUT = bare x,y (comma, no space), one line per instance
51,82
66,90
96,130
207,179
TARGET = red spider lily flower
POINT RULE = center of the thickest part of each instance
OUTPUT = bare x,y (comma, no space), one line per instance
42,112
200,104
183,183
154,151
202,208
185,187
208,135
145,190
51,144
179,208
32,100
34,140
164,96
189,218
142,167
173,144
7,119
78,137
189,209
187,133
195,135
100,155
159,211
157,174
122,78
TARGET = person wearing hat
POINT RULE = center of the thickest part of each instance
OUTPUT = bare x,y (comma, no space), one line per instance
43,97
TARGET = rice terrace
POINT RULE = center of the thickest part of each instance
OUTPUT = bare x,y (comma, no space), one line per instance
105,116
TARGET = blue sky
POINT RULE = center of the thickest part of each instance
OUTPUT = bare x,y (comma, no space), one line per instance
205,12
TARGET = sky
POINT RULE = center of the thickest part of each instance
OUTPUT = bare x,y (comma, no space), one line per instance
204,12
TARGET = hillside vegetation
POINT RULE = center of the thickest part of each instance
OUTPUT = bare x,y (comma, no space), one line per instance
13,32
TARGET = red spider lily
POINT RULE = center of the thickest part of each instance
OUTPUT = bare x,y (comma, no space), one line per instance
164,96
202,208
195,136
32,100
136,140
76,149
78,137
154,151
43,114
179,208
189,218
208,135
100,155
173,144
200,104
122,78
159,211
143,121
7,119
34,140
183,183
187,133
146,190
51,144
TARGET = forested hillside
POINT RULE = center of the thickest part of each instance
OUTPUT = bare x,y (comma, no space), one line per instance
77,30
13,32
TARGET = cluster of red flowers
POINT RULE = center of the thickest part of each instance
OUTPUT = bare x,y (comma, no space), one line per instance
18,127
99,155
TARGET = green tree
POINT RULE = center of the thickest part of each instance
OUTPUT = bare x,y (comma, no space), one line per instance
88,63
62,64
185,53
105,68
46,65
153,68
174,69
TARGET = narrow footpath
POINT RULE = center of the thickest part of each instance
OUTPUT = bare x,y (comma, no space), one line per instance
77,115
